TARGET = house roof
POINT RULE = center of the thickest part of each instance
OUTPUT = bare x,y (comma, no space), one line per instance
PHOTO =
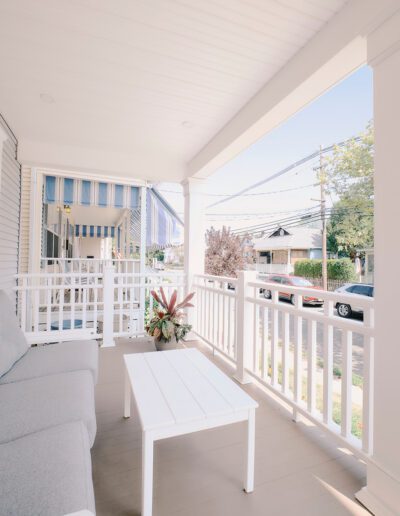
297,238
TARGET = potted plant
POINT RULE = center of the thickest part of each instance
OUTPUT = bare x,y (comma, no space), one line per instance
166,325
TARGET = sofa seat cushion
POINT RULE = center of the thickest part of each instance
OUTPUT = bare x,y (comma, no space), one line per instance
13,344
33,405
47,473
55,358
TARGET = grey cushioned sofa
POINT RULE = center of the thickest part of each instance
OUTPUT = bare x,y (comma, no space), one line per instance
47,422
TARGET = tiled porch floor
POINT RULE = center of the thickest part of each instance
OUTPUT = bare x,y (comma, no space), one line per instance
298,471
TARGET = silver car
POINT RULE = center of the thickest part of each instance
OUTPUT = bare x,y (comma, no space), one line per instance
361,289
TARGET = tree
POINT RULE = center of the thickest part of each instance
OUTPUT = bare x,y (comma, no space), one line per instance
224,253
350,172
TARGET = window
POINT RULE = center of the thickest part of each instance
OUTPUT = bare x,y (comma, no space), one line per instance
52,241
362,290
300,282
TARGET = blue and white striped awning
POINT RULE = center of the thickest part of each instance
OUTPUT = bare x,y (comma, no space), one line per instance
71,191
83,230
164,227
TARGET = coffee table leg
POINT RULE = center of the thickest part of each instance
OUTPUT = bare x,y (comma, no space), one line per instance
251,427
127,400
147,473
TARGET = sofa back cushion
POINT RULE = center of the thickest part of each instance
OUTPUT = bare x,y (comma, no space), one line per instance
13,344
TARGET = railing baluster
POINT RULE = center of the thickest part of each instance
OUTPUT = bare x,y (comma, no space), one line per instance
95,298
23,305
311,364
48,304
61,307
73,303
122,294
36,310
131,299
256,332
274,338
347,340
298,353
285,353
264,338
328,362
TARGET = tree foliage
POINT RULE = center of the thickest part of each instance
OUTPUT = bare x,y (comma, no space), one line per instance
349,175
342,269
224,253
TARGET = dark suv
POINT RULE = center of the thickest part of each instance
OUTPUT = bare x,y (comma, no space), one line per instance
361,289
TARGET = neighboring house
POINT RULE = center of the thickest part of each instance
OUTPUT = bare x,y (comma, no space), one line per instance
281,249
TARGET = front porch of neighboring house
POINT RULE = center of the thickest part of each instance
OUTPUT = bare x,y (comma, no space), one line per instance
277,252
78,210
85,228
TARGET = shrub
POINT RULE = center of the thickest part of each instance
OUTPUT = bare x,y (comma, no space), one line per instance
338,269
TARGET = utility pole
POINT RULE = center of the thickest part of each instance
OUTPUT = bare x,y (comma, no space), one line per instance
322,182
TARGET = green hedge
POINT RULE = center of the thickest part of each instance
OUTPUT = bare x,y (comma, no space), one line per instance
341,269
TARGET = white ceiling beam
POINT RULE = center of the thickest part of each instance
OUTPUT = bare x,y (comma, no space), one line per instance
335,52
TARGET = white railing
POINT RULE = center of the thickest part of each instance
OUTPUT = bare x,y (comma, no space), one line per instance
303,354
216,308
92,265
67,306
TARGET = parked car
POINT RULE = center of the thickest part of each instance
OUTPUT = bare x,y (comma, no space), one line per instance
293,281
360,289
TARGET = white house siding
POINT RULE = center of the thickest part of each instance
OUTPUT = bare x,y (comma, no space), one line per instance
10,194
24,219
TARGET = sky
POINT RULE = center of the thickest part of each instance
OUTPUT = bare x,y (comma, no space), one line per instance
339,114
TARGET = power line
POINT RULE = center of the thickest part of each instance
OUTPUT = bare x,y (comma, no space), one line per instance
250,194
304,218
258,214
287,169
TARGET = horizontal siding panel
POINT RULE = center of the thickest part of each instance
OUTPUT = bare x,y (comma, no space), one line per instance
10,191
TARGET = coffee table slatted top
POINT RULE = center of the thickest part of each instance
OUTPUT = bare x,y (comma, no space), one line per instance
181,386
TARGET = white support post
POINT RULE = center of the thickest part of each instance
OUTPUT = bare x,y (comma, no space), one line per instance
143,248
382,492
244,327
108,306
194,233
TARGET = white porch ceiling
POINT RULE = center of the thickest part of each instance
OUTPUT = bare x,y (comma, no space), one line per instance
140,87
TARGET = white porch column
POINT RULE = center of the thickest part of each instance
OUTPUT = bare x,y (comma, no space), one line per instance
142,251
194,234
382,493
194,248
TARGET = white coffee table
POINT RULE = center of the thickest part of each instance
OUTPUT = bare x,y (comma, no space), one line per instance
178,392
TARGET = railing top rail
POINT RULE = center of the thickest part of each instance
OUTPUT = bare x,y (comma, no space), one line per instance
48,275
338,322
361,301
91,259
210,277
149,275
